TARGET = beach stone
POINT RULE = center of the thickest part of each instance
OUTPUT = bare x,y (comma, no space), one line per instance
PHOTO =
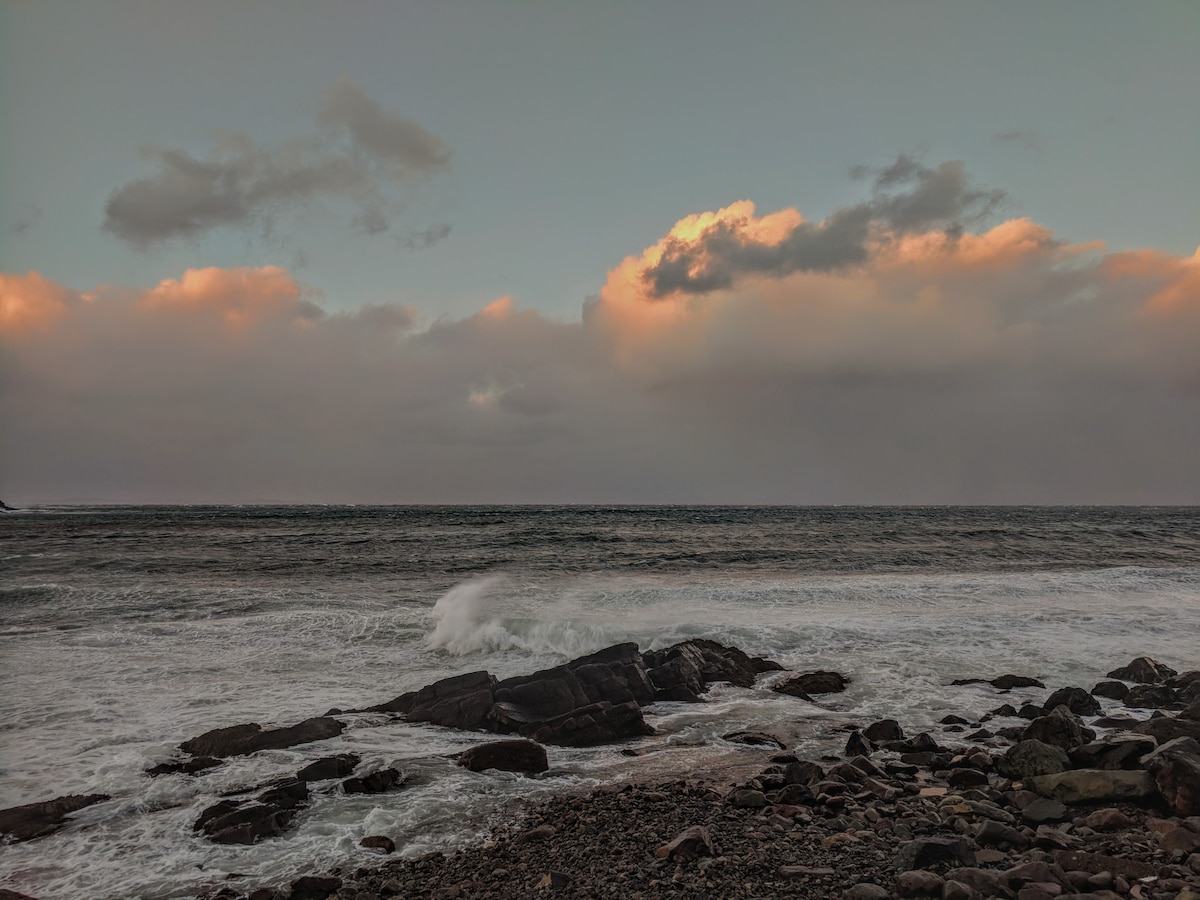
802,772
1044,809
1143,670
241,740
327,767
919,883
1060,728
1076,699
1175,767
1113,690
1035,872
1094,785
819,682
865,891
378,842
1031,757
1082,861
377,782
747,797
1121,750
922,852
985,882
1044,890
1108,819
962,778
857,745
883,730
34,820
996,834
691,843
519,755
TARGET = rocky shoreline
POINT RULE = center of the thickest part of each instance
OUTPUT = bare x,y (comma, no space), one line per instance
1042,801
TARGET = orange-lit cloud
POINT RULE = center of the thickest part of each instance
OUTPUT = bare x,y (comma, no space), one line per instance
239,296
29,302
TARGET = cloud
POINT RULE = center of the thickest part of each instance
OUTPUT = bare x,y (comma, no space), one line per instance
362,154
704,254
26,218
1030,140
421,240
996,364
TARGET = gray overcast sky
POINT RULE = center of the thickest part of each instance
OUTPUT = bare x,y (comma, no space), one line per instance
670,251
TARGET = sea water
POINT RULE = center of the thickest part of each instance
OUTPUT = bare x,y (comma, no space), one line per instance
126,630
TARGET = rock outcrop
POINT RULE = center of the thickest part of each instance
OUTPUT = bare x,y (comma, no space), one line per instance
33,820
241,740
508,756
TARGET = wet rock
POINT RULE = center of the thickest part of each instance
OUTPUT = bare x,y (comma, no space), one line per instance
1003,682
378,842
1060,728
1143,670
857,745
1076,699
241,740
327,767
923,852
883,730
689,844
1151,696
598,723
246,822
1094,785
377,782
185,767
1113,690
508,756
1031,757
806,683
1167,728
34,820
754,739
1175,767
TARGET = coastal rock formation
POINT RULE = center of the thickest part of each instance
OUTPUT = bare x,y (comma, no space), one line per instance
1176,769
33,820
807,683
1143,670
594,699
508,756
246,822
241,740
327,767
1003,682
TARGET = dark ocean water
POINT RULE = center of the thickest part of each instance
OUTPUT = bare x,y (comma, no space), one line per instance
124,630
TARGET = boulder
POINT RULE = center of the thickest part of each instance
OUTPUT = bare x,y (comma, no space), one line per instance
820,682
246,822
377,782
597,723
1113,690
241,740
1187,684
703,662
314,887
1120,750
1003,682
327,767
1060,728
34,820
1031,757
1151,696
688,844
924,852
378,842
754,739
1176,770
1094,785
1143,670
1076,699
884,730
1043,810
1167,728
857,745
508,756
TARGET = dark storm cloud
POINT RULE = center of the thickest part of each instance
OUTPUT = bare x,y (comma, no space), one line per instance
364,152
906,196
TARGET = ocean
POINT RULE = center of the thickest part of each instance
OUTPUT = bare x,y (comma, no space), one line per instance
126,630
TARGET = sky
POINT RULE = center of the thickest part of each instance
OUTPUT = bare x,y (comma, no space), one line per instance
631,252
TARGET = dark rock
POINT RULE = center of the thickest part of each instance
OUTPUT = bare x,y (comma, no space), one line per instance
1151,696
991,834
378,842
327,767
377,782
803,772
1007,710
919,883
1143,670
689,844
1094,785
1121,750
1043,810
821,682
185,767
1109,819
508,756
1003,682
884,730
747,797
1033,757
599,723
34,820
924,852
921,743
1113,690
240,740
1176,770
286,795
1167,728
857,745
1079,861
754,739
1031,711
246,822
964,778
953,720
315,887
1059,728
5,893
865,890
1076,699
